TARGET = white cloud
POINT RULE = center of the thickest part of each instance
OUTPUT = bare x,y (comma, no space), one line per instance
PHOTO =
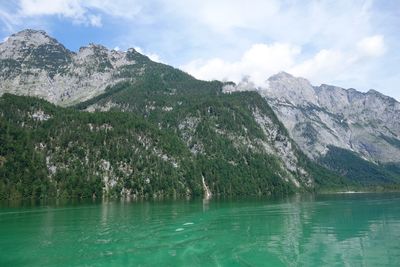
127,9
67,8
5,39
79,11
225,15
332,64
321,67
262,60
372,46
71,9
335,23
95,20
258,62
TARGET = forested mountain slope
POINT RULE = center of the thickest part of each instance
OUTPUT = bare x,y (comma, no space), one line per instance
49,151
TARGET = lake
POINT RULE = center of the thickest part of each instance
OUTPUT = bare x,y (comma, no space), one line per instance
302,230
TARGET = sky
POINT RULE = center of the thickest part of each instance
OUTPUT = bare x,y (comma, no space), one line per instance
352,44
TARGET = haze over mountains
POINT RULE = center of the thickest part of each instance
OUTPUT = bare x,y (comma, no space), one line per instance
191,131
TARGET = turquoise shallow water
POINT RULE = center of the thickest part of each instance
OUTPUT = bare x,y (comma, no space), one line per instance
327,230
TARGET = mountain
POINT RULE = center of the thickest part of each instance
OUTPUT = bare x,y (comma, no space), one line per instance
35,64
136,128
330,123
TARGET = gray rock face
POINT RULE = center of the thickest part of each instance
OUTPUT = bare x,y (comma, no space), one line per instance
32,63
323,116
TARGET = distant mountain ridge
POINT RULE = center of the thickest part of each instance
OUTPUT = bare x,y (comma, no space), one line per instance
35,64
321,116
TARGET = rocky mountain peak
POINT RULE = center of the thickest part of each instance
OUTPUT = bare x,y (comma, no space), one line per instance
98,47
93,50
381,96
280,76
33,49
320,117
35,64
21,44
32,37
374,92
288,88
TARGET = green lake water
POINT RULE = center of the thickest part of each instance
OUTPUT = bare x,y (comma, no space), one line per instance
325,230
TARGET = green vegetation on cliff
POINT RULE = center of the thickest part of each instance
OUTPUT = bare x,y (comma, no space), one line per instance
360,171
157,140
48,151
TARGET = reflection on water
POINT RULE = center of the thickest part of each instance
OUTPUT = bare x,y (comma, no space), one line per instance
342,230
